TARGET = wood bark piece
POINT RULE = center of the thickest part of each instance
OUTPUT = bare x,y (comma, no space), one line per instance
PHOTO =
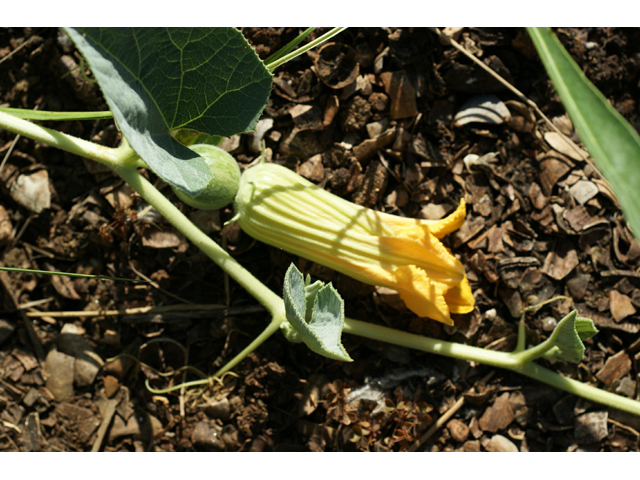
564,146
402,94
498,416
616,367
560,262
553,167
620,305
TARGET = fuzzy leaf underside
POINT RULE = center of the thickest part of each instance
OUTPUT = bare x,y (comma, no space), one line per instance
158,80
567,338
322,333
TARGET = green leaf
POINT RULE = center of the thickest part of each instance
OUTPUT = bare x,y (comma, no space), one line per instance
157,80
566,339
611,140
319,326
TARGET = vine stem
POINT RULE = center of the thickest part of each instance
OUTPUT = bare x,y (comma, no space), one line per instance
507,360
124,162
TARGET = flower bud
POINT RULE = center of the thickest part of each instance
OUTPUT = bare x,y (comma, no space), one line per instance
282,209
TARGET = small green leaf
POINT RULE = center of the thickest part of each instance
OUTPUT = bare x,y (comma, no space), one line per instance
157,80
611,140
567,338
320,325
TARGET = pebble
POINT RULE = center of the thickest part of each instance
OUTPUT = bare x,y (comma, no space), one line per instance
458,430
60,369
219,409
88,362
498,443
206,436
591,427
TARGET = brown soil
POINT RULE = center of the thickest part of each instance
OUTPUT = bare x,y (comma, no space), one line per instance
539,224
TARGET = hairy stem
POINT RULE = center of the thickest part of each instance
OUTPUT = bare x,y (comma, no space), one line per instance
511,361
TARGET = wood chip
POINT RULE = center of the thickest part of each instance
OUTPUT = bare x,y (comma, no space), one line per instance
498,416
564,146
552,168
561,261
620,305
482,109
402,94
616,367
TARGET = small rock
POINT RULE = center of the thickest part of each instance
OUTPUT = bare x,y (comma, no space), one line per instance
229,436
32,191
6,330
312,169
498,416
471,446
375,129
591,427
627,387
498,443
219,409
88,362
458,430
206,436
620,305
583,191
60,369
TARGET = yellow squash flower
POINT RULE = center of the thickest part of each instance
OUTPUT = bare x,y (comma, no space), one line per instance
282,209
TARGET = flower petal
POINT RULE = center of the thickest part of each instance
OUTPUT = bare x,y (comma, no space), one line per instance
421,295
450,223
459,298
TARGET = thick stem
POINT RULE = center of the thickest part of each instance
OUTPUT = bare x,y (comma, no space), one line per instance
430,345
112,157
575,387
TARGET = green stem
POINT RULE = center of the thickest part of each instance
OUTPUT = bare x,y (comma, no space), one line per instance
509,361
168,210
124,161
314,43
113,157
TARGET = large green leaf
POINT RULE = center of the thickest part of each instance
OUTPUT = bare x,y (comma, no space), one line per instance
158,80
611,140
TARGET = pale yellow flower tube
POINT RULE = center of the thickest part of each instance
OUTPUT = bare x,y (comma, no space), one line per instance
282,209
